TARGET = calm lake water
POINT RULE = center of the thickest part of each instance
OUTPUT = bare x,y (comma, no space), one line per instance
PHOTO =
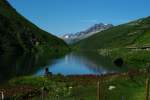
81,63
69,64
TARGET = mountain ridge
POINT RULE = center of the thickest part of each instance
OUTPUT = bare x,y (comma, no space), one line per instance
128,34
19,34
72,38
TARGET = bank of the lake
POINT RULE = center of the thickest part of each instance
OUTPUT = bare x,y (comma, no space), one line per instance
134,57
129,85
14,65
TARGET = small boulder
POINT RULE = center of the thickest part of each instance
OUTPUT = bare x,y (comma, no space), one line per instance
111,87
118,62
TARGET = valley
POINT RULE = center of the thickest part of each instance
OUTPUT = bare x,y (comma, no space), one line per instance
102,62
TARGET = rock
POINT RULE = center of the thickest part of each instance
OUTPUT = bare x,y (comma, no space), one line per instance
118,62
111,88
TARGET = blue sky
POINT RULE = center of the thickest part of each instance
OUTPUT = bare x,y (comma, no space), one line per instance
70,16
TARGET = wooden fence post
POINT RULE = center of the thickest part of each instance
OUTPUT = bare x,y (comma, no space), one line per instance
98,90
42,93
2,95
147,89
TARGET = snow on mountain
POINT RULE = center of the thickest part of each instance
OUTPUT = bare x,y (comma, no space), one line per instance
71,38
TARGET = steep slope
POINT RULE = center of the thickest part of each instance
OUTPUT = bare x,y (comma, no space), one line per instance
135,33
17,34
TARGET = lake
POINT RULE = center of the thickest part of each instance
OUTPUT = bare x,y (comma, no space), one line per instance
79,63
74,63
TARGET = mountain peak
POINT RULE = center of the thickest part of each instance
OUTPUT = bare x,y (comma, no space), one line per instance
75,37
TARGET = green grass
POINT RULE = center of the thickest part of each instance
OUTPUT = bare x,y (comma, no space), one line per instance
129,88
132,58
144,39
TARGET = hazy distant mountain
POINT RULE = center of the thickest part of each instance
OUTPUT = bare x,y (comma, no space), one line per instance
73,38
